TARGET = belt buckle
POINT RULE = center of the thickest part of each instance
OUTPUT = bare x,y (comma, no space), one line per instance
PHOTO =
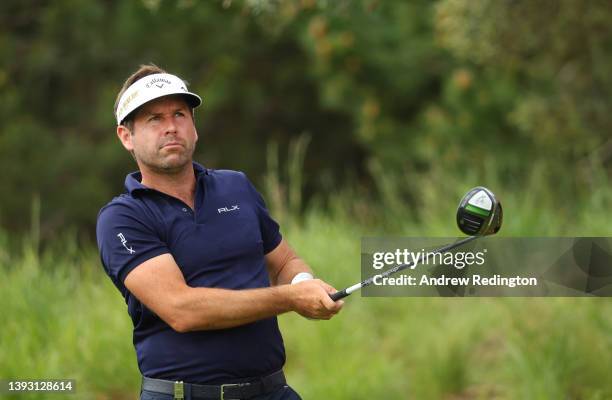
179,390
230,385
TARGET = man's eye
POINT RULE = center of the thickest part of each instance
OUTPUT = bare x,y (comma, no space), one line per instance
179,114
154,118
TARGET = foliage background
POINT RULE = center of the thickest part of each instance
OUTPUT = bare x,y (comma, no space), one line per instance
354,118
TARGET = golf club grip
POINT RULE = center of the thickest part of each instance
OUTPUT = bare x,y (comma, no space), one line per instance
339,295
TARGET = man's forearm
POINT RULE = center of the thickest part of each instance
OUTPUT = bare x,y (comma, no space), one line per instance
290,270
211,308
283,264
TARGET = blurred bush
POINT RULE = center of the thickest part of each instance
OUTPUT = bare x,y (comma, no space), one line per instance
394,96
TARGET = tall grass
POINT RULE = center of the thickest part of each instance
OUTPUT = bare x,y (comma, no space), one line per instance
433,348
62,317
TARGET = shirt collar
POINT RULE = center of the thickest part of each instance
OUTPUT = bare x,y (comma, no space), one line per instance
132,180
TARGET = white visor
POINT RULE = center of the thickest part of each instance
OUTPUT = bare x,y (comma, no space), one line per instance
152,87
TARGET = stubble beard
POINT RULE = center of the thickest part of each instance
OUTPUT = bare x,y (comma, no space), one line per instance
167,165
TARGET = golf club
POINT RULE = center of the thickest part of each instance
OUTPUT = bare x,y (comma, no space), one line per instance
479,214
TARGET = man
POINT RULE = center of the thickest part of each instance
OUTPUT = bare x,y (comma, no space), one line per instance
202,266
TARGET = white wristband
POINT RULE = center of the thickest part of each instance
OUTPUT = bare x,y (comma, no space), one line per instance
302,276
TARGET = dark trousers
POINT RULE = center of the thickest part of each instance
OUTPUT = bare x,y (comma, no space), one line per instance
284,393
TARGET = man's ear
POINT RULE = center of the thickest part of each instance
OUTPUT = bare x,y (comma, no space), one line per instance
125,135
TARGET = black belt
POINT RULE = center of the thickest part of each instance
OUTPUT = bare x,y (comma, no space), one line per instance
229,391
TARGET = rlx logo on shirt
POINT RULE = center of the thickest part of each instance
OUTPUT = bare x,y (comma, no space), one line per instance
227,209
124,243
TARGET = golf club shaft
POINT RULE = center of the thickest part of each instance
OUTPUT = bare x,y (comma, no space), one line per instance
346,292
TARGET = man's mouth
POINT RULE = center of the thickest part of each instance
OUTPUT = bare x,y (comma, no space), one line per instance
171,145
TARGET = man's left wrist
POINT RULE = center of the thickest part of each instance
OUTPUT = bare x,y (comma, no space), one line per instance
302,276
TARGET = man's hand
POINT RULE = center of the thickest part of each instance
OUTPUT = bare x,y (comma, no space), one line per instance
311,299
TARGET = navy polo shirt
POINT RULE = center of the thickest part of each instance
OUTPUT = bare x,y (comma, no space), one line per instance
219,244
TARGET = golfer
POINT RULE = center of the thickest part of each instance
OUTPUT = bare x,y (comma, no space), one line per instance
199,261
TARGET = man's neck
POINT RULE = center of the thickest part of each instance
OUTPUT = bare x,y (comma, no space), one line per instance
180,184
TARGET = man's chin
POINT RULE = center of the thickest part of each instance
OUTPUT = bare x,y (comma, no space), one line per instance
171,164
175,164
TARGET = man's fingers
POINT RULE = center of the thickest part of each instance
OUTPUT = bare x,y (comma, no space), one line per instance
328,303
314,301
331,305
329,288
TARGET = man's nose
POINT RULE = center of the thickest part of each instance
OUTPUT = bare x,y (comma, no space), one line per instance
170,126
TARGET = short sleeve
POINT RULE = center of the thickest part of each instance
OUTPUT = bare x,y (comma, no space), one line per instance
270,231
125,240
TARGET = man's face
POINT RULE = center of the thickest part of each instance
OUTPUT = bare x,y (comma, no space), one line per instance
164,135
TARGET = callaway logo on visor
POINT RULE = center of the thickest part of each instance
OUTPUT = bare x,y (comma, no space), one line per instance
150,88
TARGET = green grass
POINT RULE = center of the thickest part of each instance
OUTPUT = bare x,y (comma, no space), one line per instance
436,348
63,318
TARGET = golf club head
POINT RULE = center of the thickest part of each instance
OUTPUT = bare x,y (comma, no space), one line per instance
479,213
